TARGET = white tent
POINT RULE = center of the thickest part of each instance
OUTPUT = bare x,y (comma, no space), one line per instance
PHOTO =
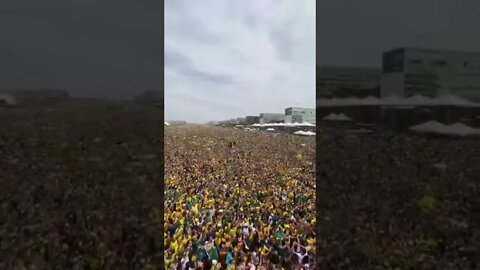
337,117
7,99
270,129
416,100
430,126
370,101
451,100
166,124
305,124
439,128
419,100
304,133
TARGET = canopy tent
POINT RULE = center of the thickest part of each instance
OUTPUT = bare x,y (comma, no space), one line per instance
7,99
416,100
337,117
305,124
304,133
458,129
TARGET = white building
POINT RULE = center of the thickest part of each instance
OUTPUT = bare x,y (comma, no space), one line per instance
271,118
300,115
415,71
331,79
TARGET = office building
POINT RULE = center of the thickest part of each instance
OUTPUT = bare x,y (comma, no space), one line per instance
300,115
409,71
241,120
271,118
176,122
250,120
347,81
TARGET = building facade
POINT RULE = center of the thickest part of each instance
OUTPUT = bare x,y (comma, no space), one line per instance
271,118
300,115
241,120
347,81
412,71
176,122
250,120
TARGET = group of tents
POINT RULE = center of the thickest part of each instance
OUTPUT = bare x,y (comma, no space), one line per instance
457,129
416,100
304,124
7,100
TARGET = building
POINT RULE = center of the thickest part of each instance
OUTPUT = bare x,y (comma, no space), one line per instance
177,123
271,118
300,115
347,81
409,71
241,120
250,120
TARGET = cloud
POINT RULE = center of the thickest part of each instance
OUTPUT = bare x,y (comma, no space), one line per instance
184,66
93,48
227,59
355,33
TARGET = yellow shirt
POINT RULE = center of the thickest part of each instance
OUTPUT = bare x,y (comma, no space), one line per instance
174,246
218,241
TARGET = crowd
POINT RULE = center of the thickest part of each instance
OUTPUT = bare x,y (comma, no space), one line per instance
79,187
238,200
392,201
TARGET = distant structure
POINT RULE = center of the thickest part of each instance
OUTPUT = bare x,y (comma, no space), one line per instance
300,115
176,123
6,100
271,118
250,120
241,120
409,71
333,81
27,96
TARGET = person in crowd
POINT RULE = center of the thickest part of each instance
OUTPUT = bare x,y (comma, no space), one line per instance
234,200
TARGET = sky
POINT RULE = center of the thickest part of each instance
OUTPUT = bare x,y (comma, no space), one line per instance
222,58
355,33
228,59
96,48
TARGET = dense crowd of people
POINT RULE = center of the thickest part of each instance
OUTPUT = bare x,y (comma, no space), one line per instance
238,200
79,187
392,201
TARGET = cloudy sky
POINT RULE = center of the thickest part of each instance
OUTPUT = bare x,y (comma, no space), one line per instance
100,48
233,58
355,33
